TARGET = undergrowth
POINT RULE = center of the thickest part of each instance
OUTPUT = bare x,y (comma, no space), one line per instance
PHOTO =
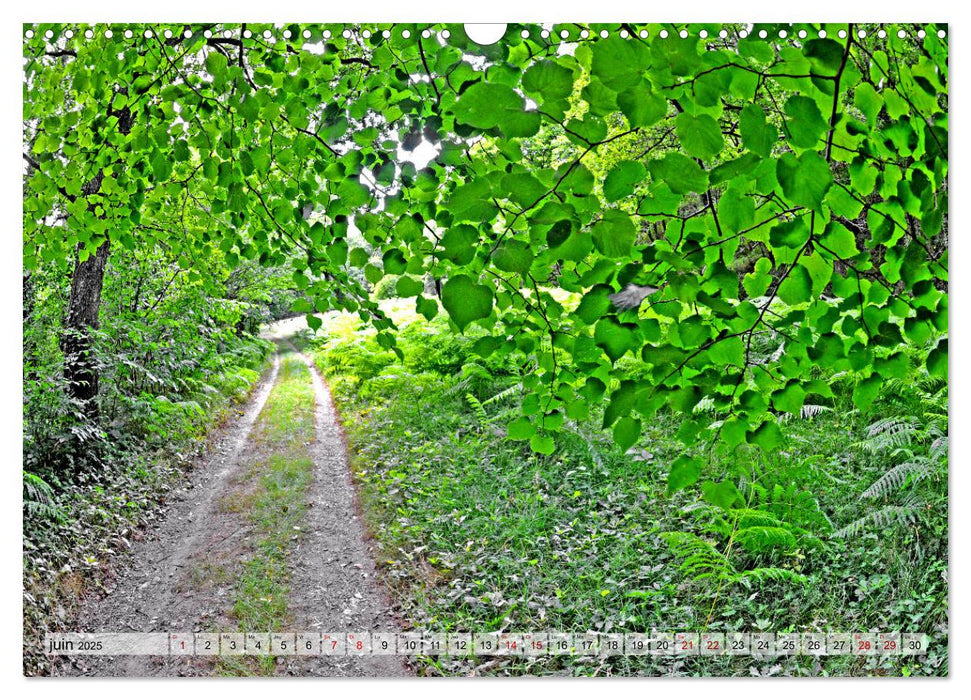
77,523
479,533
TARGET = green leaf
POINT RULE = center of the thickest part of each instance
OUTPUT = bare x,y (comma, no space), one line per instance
250,108
595,303
373,273
839,240
621,403
458,244
523,188
685,471
722,494
866,390
559,233
618,63
490,105
622,179
805,124
408,286
820,272
358,257
868,101
513,256
626,432
614,234
180,151
825,55
937,360
790,398
804,179
216,63
797,287
767,436
301,305
161,166
300,280
394,262
681,174
757,135
641,107
600,98
700,136
549,80
733,432
520,429
757,282
314,322
614,338
465,301
426,307
353,194
728,352
543,444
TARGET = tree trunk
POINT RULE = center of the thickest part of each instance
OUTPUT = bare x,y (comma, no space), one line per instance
30,371
80,368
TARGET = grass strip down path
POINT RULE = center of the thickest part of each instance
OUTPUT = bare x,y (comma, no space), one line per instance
283,471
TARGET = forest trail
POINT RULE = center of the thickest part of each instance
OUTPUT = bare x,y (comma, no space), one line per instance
187,575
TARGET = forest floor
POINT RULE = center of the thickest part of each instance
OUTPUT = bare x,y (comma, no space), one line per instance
266,535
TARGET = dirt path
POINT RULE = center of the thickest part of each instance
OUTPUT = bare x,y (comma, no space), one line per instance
335,585
180,578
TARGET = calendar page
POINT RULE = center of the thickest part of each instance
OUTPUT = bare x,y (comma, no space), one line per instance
387,349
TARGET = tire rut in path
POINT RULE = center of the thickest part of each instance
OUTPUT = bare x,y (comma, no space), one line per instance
160,589
335,587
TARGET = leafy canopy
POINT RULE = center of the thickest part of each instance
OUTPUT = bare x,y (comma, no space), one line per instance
780,202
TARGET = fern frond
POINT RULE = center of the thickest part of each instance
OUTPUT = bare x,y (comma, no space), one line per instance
773,573
39,501
886,516
810,410
701,558
762,539
477,408
939,448
907,473
460,386
807,412
750,517
502,395
36,489
889,433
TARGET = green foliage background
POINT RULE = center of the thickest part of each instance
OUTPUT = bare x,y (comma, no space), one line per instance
725,229
763,186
